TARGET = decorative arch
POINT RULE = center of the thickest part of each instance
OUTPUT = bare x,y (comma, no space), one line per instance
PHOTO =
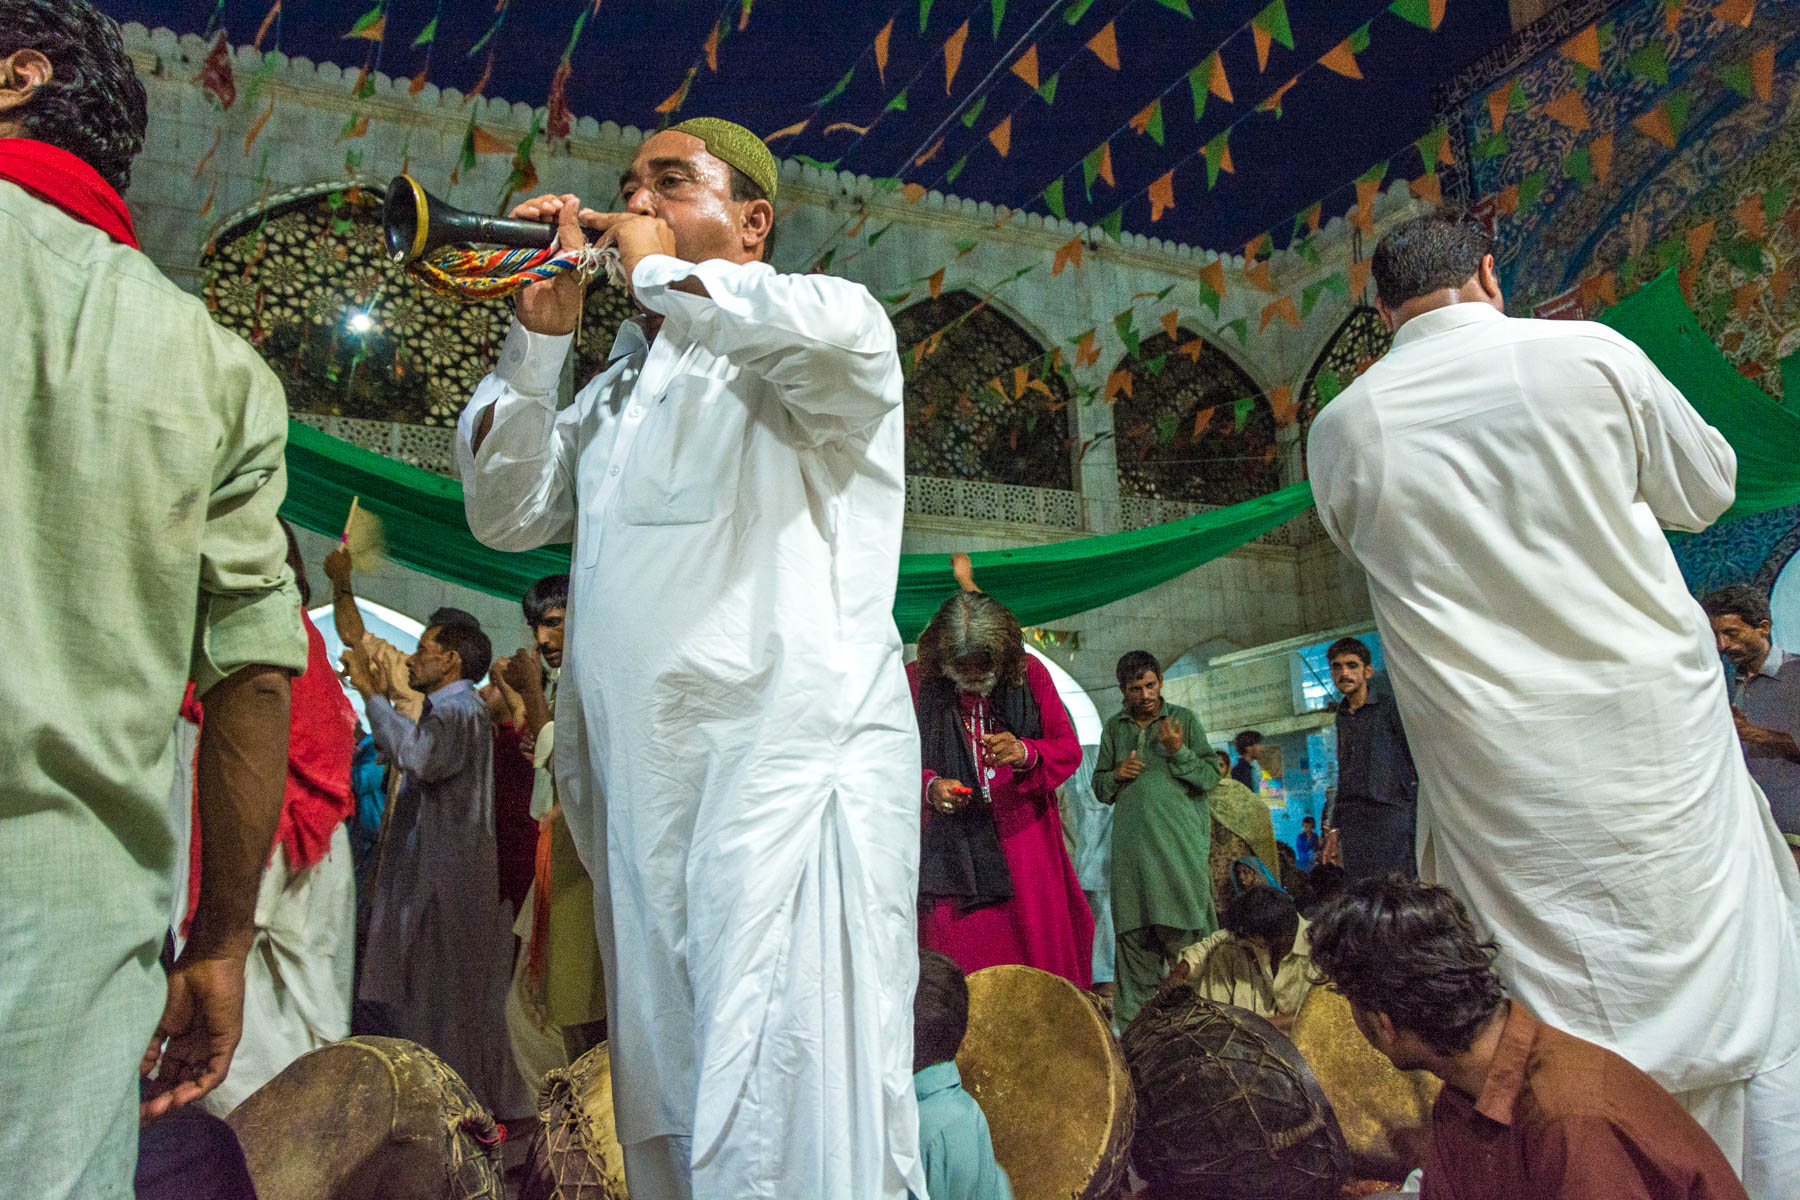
1178,433
1360,339
291,273
984,398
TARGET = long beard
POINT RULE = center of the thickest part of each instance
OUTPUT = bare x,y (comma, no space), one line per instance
974,685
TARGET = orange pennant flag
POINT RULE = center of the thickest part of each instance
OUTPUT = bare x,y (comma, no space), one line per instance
1312,215
1735,12
1698,239
486,143
912,193
1599,287
1162,195
1359,277
1283,308
1281,400
1744,297
1428,188
1026,67
1262,39
255,129
1021,375
1782,280
1104,168
1118,381
787,131
1499,100
953,51
1686,277
1213,276
929,154
1568,109
1001,135
855,230
1655,126
1508,200
1584,48
1171,323
1204,417
1105,46
712,49
1194,347
1216,83
218,139
1257,276
262,31
1600,152
881,50
1273,103
1762,72
1087,352
1141,121
356,129
677,96
841,126
1366,191
373,32
210,197
1342,59
418,81
1067,255
1749,214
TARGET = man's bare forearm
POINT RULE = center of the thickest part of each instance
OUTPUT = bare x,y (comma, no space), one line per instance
241,773
347,617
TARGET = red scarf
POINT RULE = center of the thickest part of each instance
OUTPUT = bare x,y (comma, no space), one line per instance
57,177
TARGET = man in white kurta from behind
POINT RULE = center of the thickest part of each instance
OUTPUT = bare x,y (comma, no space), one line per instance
735,746
1505,484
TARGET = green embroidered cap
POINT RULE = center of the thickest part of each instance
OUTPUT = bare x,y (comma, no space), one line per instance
732,143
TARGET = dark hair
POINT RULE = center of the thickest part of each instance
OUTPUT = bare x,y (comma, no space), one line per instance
940,1010
1318,887
447,616
1306,821
745,189
1265,915
1407,949
1350,645
296,564
1245,740
1134,663
1439,249
552,591
1739,600
470,643
971,621
93,105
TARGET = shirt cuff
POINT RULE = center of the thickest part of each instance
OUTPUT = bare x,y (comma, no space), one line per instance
234,632
531,363
654,278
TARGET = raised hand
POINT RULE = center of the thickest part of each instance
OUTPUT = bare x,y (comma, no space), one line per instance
1129,770
337,568
553,306
1168,734
1005,749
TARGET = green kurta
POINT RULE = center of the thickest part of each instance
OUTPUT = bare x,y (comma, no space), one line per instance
140,472
1162,827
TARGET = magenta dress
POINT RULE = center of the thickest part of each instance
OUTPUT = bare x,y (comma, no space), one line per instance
1046,924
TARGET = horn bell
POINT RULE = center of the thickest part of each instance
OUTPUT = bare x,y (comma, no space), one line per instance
414,223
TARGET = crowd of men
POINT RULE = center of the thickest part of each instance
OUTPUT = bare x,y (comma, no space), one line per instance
757,814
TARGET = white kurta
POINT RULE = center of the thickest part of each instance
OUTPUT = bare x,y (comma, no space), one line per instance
735,746
1505,484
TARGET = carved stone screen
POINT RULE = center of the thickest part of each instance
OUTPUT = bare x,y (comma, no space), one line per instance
1359,341
1195,427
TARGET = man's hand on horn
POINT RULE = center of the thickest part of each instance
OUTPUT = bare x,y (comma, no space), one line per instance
636,236
553,306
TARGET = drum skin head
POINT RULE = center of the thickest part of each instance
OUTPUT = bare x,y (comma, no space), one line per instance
575,1154
1050,1077
368,1118
1374,1102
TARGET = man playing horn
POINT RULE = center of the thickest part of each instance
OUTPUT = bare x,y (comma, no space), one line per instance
736,750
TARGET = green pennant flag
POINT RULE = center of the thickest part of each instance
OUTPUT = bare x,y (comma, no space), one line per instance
1167,426
1670,251
1090,168
1273,21
956,169
898,298
1414,12
1053,199
1359,41
1744,254
1516,98
1774,204
924,14
1077,9
427,35
1310,296
265,70
365,22
1048,89
1327,385
1531,187
1240,327
1164,294
1154,126
1374,174
974,114
998,8
1578,165
1199,80
898,103
1215,152
1651,62
1306,250
487,37
1240,411
1431,145
876,236
1180,6
837,89
815,164
824,263
1154,366
965,245
1491,146
575,34
466,160
889,183
1111,222
1737,77
1339,283
1679,103
1210,298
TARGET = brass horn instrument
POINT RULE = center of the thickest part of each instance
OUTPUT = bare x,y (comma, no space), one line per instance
415,223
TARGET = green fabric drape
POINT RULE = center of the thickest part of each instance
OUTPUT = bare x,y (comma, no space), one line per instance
426,530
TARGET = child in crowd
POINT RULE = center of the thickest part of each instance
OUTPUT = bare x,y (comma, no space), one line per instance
953,1132
1256,962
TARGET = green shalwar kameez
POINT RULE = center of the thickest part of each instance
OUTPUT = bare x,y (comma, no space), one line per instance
1162,836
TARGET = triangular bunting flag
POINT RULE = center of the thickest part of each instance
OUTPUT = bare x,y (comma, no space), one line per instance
1257,276
953,52
936,282
1216,83
1531,187
1149,120
837,89
1097,165
1433,146
1578,164
1311,216
1001,136
1569,110
1117,382
1655,126
1087,350
1650,62
1212,276
1204,417
1584,48
1111,222
1283,308
1762,76
1048,91
956,169
1273,102
679,95
787,131
1281,401
1342,59
881,50
1271,24
1105,46
1026,67
1180,6
1171,324
1218,157
1507,201
1358,277
1162,195
1601,148
1750,216
974,112
924,14
1698,239
1499,101
1426,14
998,9
371,26
1240,409
1053,200
712,49
427,35
1735,12
920,161
1067,255
1428,188
1257,246
1198,75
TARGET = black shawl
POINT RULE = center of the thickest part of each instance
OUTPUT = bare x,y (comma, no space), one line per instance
960,857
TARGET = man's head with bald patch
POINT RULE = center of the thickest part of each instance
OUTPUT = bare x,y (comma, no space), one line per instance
714,209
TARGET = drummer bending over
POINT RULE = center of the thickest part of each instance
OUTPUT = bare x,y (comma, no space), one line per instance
953,1131
1527,1110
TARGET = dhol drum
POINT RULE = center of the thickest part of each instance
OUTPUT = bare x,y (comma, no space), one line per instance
1385,1113
369,1118
1043,1064
1227,1107
575,1154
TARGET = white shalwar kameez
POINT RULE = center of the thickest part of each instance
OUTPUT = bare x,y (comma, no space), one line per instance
1505,484
735,749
